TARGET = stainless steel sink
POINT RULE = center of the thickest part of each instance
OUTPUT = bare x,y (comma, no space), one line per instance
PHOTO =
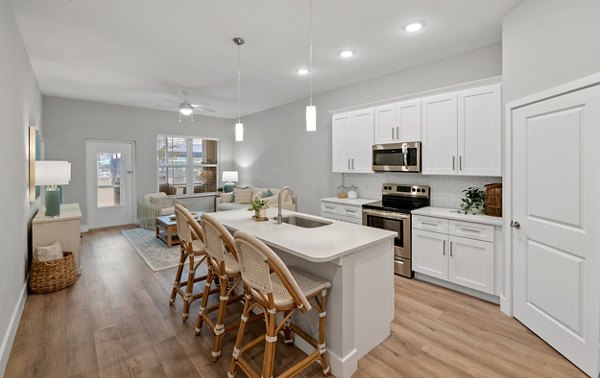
304,222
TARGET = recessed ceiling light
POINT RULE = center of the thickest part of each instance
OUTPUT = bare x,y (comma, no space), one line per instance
346,53
302,71
414,27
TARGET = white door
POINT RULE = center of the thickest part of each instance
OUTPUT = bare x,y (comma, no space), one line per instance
362,142
429,253
340,142
471,263
409,121
480,132
439,134
556,201
109,167
385,124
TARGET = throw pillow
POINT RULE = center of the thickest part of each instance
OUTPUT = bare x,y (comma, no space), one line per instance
272,201
242,195
257,193
227,197
161,202
51,252
267,193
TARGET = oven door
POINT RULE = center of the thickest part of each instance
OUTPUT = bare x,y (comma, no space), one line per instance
392,221
397,157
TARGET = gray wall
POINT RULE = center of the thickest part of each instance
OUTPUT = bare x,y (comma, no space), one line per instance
68,123
20,106
549,42
277,150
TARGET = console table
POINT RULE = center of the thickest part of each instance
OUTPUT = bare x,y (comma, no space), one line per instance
65,228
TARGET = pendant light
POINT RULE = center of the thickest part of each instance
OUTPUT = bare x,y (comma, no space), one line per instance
239,126
311,110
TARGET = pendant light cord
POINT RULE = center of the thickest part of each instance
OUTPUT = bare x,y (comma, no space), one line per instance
239,80
310,50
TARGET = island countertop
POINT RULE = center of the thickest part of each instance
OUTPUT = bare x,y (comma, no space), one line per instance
318,244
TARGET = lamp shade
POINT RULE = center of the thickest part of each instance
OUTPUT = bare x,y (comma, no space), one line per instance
52,172
230,176
239,132
311,118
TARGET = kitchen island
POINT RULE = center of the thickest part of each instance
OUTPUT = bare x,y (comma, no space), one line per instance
357,260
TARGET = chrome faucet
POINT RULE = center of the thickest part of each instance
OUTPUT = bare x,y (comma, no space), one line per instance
294,201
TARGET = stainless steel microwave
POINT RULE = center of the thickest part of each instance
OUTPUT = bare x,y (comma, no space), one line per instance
397,157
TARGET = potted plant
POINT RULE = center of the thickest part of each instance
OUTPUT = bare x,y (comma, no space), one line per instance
260,207
474,201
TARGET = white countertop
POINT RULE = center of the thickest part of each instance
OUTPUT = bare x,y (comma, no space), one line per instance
318,244
448,213
348,201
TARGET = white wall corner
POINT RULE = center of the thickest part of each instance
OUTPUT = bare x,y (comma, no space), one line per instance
11,332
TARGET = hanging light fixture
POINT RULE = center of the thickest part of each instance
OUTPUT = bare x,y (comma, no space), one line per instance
185,108
239,126
311,110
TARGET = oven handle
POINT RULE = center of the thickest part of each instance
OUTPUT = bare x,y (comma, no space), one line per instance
387,214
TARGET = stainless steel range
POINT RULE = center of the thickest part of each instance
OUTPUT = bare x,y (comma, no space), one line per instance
393,213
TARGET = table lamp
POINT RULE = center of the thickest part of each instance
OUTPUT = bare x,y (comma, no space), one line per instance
229,177
52,173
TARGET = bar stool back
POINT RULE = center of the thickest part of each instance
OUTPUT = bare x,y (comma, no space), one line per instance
273,288
191,245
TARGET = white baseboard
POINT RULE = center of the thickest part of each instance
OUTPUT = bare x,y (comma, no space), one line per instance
11,332
84,228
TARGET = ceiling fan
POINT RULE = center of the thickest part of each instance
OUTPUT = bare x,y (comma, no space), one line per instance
186,109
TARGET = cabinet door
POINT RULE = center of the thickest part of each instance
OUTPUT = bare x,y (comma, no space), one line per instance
429,253
471,264
408,115
439,134
385,124
479,131
362,142
340,142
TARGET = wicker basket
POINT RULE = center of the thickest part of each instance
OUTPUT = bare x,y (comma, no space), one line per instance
48,276
493,199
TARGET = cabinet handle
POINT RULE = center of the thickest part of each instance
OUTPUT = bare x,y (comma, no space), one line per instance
330,207
444,247
460,163
348,163
429,224
352,163
469,230
393,133
397,132
350,211
450,249
453,161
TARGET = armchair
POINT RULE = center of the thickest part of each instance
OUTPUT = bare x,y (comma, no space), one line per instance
154,205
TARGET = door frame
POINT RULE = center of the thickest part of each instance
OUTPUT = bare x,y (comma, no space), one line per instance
89,201
506,296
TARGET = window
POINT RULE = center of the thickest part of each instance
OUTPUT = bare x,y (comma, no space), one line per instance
186,164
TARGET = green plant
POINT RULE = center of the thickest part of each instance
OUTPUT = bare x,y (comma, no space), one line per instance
220,189
473,201
257,204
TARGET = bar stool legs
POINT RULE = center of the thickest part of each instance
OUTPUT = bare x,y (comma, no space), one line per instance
187,296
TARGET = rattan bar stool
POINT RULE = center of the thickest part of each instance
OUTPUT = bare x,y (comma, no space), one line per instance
273,288
191,245
223,265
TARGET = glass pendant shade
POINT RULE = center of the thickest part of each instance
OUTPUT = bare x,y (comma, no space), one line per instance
311,118
239,132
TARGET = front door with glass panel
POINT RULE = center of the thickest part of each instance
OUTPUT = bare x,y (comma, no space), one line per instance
109,167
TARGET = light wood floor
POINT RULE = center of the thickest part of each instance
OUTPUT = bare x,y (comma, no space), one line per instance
116,321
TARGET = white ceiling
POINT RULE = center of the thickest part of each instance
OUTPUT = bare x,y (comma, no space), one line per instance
137,52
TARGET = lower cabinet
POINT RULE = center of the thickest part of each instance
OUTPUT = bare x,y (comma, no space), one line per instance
343,210
466,261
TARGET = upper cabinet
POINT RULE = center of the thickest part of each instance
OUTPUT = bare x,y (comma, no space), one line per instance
352,142
398,122
462,133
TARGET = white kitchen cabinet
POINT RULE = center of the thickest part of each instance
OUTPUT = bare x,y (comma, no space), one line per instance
352,141
347,210
462,133
462,253
400,122
440,130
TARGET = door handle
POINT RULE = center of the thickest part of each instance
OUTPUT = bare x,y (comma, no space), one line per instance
453,162
444,247
130,172
514,224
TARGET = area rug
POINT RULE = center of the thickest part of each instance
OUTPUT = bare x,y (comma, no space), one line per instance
154,251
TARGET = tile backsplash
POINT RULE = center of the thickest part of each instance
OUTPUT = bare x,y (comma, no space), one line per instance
446,191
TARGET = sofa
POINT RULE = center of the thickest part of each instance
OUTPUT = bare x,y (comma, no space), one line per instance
241,197
154,205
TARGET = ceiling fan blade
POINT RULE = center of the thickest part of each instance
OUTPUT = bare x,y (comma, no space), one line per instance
200,105
171,101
